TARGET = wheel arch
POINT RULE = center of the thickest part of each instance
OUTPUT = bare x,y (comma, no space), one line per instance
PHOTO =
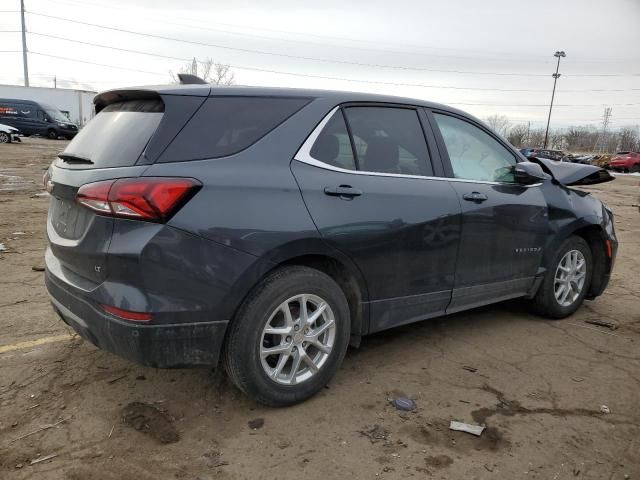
320,257
594,235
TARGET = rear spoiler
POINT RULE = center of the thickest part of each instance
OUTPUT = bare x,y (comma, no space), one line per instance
112,96
150,93
570,174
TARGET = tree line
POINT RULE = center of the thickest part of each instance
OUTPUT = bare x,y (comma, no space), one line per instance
576,139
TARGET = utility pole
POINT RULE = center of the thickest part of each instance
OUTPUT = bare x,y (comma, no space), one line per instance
601,142
25,64
55,82
559,54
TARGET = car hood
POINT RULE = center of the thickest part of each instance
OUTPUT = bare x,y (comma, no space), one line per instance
8,128
574,173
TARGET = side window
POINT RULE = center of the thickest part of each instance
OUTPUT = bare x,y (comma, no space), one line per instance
333,145
474,154
224,126
389,140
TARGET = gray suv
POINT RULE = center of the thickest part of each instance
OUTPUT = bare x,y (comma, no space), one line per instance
272,228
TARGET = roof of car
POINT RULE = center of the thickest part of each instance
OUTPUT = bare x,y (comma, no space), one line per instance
338,96
18,100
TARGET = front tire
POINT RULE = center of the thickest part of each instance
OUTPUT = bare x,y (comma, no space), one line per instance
567,280
4,137
289,337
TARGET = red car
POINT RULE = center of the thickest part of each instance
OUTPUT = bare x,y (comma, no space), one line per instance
625,162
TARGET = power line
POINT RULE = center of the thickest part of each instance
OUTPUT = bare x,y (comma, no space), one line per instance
450,103
308,34
95,63
324,77
266,37
497,56
285,55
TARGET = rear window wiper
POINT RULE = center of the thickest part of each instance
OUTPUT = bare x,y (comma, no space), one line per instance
73,159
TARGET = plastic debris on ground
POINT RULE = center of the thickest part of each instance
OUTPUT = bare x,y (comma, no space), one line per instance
467,428
403,403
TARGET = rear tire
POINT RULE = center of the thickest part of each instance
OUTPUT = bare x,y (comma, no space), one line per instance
52,134
566,282
4,137
635,168
268,378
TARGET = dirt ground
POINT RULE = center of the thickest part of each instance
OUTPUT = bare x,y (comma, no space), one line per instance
538,385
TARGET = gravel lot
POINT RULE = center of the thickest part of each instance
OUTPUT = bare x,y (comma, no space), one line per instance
538,385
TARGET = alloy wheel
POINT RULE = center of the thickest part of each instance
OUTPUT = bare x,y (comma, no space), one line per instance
570,277
297,339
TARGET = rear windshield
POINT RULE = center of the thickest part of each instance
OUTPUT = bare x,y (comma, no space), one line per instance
116,136
226,125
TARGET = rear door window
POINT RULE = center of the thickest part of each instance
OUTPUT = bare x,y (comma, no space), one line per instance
389,140
226,125
116,136
333,146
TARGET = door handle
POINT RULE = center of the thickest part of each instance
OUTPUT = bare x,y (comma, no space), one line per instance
475,197
345,191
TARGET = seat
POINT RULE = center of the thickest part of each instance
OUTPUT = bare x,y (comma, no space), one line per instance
382,155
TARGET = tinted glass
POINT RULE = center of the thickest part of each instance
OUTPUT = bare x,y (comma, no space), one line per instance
333,145
117,135
474,154
389,140
226,125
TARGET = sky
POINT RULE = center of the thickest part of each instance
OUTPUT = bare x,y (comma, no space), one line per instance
485,57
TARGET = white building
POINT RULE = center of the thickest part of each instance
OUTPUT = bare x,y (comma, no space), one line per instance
76,104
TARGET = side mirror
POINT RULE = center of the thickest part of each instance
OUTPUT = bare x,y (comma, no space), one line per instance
528,173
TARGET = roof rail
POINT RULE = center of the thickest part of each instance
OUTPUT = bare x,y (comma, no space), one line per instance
188,79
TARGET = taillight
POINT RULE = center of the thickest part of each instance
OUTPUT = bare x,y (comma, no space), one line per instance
154,199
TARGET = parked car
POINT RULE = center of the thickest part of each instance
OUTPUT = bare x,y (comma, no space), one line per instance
9,134
274,227
625,162
583,159
36,118
558,155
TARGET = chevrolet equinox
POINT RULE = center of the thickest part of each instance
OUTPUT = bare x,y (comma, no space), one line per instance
271,228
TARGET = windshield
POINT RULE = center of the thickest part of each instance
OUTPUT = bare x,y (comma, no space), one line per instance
56,115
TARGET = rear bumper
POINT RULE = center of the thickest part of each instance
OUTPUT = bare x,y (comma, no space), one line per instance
159,346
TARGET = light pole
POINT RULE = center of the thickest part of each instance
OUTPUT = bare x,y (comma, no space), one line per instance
25,64
559,54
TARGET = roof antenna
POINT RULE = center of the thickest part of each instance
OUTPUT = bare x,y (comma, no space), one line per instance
188,79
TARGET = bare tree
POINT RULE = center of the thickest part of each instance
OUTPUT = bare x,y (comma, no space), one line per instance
536,137
517,135
208,70
500,123
580,139
628,139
